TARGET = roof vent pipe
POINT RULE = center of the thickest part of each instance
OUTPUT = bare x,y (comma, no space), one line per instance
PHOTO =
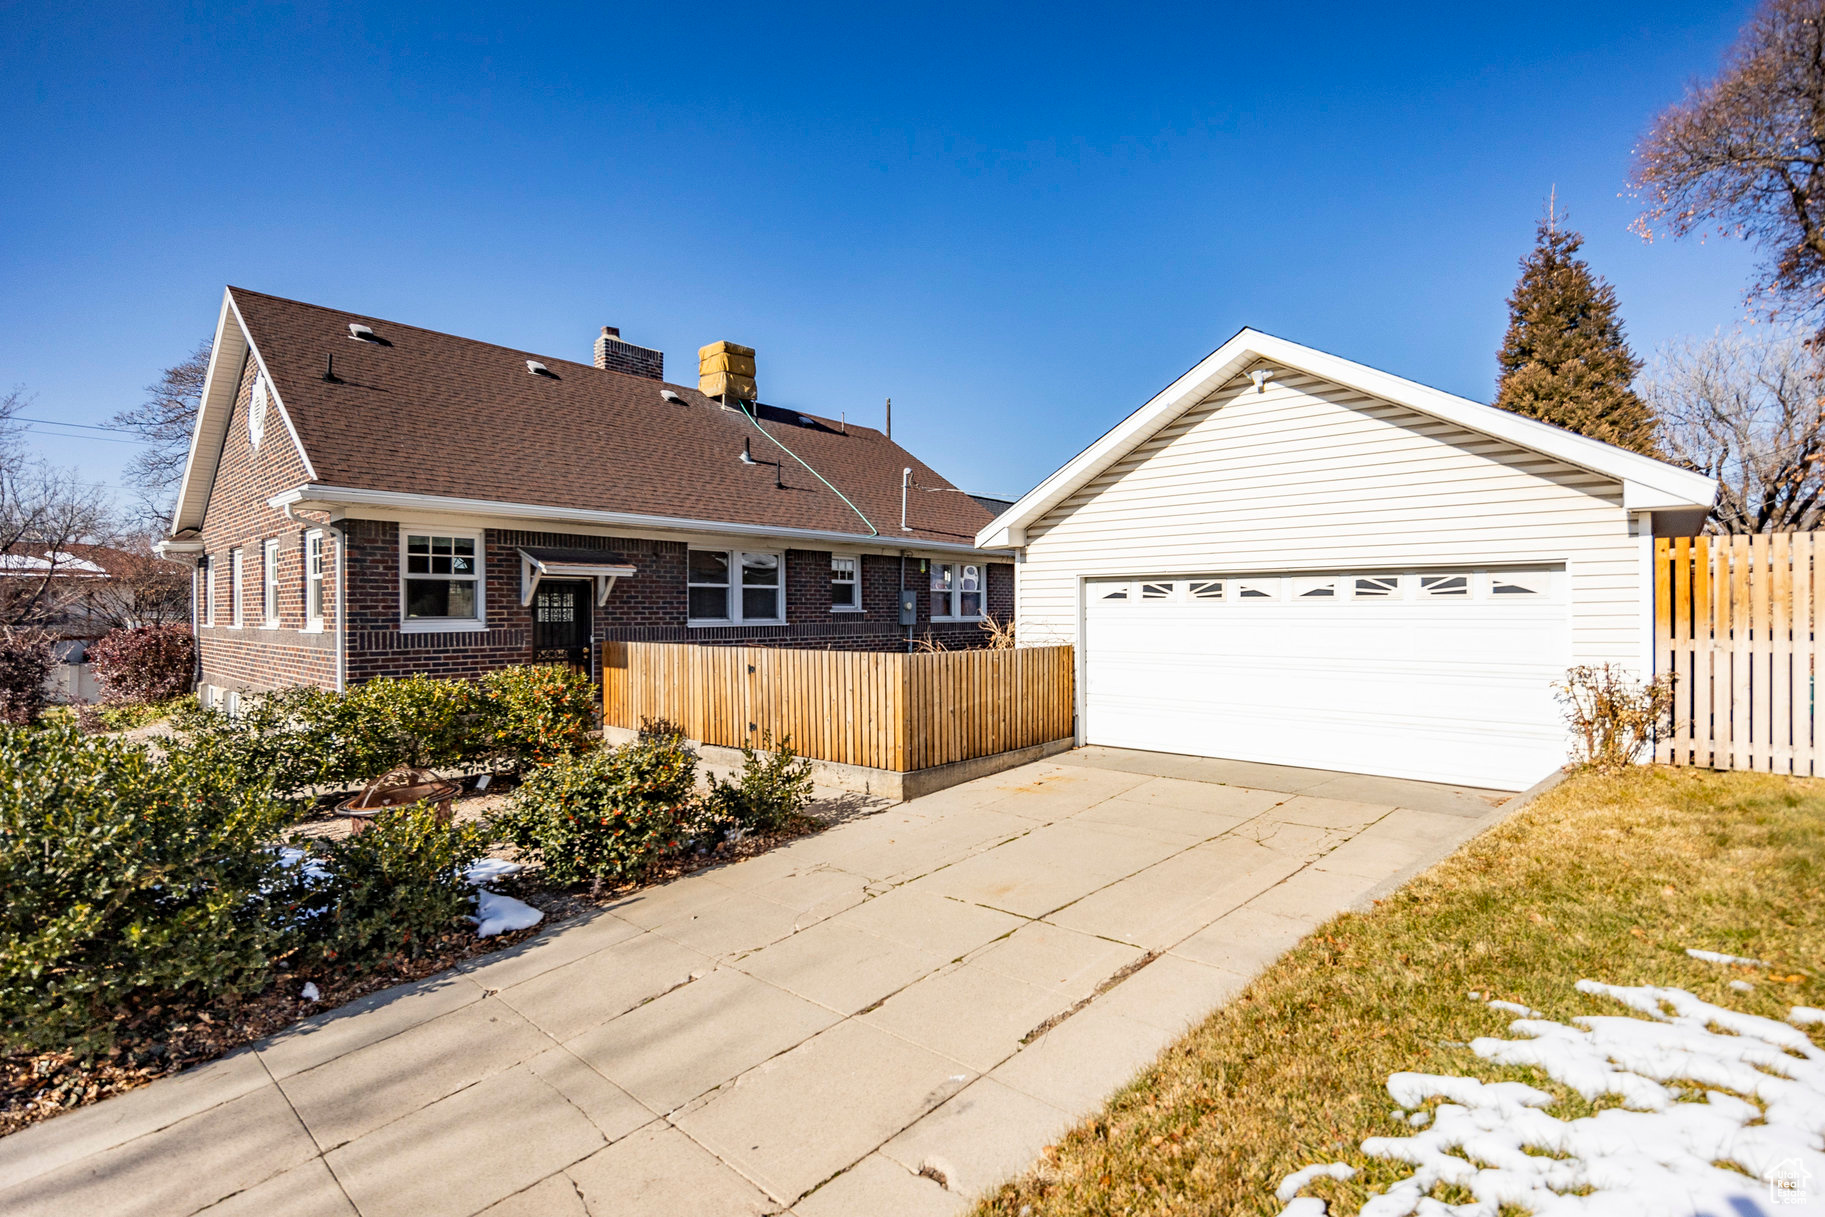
905,485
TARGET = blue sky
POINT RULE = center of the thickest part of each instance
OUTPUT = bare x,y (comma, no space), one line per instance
1019,222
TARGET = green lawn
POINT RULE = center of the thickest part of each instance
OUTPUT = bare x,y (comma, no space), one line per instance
1610,878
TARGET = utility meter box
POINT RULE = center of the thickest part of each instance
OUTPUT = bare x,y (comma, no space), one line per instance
909,606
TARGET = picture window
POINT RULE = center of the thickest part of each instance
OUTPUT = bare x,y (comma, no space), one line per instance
443,577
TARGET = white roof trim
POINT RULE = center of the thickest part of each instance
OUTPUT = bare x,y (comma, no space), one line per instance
315,497
220,383
1648,484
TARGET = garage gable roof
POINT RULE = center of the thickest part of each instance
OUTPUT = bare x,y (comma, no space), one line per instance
1648,484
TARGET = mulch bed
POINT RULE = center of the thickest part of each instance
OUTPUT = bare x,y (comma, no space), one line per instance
169,1038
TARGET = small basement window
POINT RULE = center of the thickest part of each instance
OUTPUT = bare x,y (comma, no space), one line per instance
442,581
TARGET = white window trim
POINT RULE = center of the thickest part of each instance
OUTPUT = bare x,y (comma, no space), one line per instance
734,585
269,584
858,606
446,625
956,593
237,604
313,624
209,566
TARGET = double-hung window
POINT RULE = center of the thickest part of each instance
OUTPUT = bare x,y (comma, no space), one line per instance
441,586
845,584
734,586
313,580
956,591
234,588
208,590
269,583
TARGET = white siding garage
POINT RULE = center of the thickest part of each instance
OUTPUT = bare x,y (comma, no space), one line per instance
1442,674
1274,463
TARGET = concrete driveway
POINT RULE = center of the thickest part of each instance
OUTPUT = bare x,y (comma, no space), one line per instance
888,1017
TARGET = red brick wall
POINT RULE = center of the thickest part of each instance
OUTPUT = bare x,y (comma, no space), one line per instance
255,657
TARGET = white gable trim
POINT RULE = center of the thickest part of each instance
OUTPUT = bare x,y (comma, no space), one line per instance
220,383
1648,484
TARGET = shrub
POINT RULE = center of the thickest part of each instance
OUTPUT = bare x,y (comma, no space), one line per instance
1613,716
774,785
149,663
532,715
128,880
605,815
395,889
286,737
383,724
26,659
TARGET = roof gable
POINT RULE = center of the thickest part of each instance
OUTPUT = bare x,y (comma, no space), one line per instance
1648,484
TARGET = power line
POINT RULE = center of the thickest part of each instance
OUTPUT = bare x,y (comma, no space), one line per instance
56,422
94,439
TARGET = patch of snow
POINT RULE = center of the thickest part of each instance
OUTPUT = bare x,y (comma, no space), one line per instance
1512,1007
1720,957
309,992
1805,1016
498,914
487,870
1295,1182
1420,1119
1755,1101
290,857
1742,986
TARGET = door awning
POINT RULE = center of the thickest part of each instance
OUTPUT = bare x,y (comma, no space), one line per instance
537,564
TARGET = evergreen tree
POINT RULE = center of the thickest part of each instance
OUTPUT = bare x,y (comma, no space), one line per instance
1565,360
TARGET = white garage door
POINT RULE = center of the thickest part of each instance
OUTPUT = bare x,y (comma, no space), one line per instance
1444,675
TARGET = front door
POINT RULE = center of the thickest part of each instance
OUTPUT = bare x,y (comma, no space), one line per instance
560,622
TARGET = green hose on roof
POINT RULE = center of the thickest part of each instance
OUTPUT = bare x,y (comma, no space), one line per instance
872,530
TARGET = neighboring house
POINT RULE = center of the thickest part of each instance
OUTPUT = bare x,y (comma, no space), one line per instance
365,498
78,592
1291,558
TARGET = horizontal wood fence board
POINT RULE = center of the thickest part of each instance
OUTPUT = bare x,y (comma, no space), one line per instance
900,712
1737,626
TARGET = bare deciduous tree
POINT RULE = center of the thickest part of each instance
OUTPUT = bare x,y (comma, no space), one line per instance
1744,154
164,422
141,588
1748,408
43,511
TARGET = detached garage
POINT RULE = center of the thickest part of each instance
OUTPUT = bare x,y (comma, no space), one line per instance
1291,558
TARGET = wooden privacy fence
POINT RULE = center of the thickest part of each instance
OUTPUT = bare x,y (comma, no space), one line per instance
895,711
1739,623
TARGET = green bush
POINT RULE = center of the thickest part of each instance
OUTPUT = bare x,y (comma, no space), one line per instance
531,715
302,737
395,889
126,880
605,815
774,785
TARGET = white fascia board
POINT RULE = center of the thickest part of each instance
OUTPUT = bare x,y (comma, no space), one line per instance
225,350
334,499
1648,484
165,549
214,410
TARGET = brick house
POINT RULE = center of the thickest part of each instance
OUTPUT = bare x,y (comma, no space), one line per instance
365,498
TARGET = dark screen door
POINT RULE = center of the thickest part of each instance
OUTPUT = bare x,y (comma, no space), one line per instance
560,623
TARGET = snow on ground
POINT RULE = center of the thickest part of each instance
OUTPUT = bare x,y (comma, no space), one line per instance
1720,957
498,914
487,870
1692,1090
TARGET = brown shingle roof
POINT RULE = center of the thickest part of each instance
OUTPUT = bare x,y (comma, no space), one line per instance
434,414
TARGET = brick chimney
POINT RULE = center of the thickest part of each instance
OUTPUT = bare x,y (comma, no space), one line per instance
726,367
613,355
